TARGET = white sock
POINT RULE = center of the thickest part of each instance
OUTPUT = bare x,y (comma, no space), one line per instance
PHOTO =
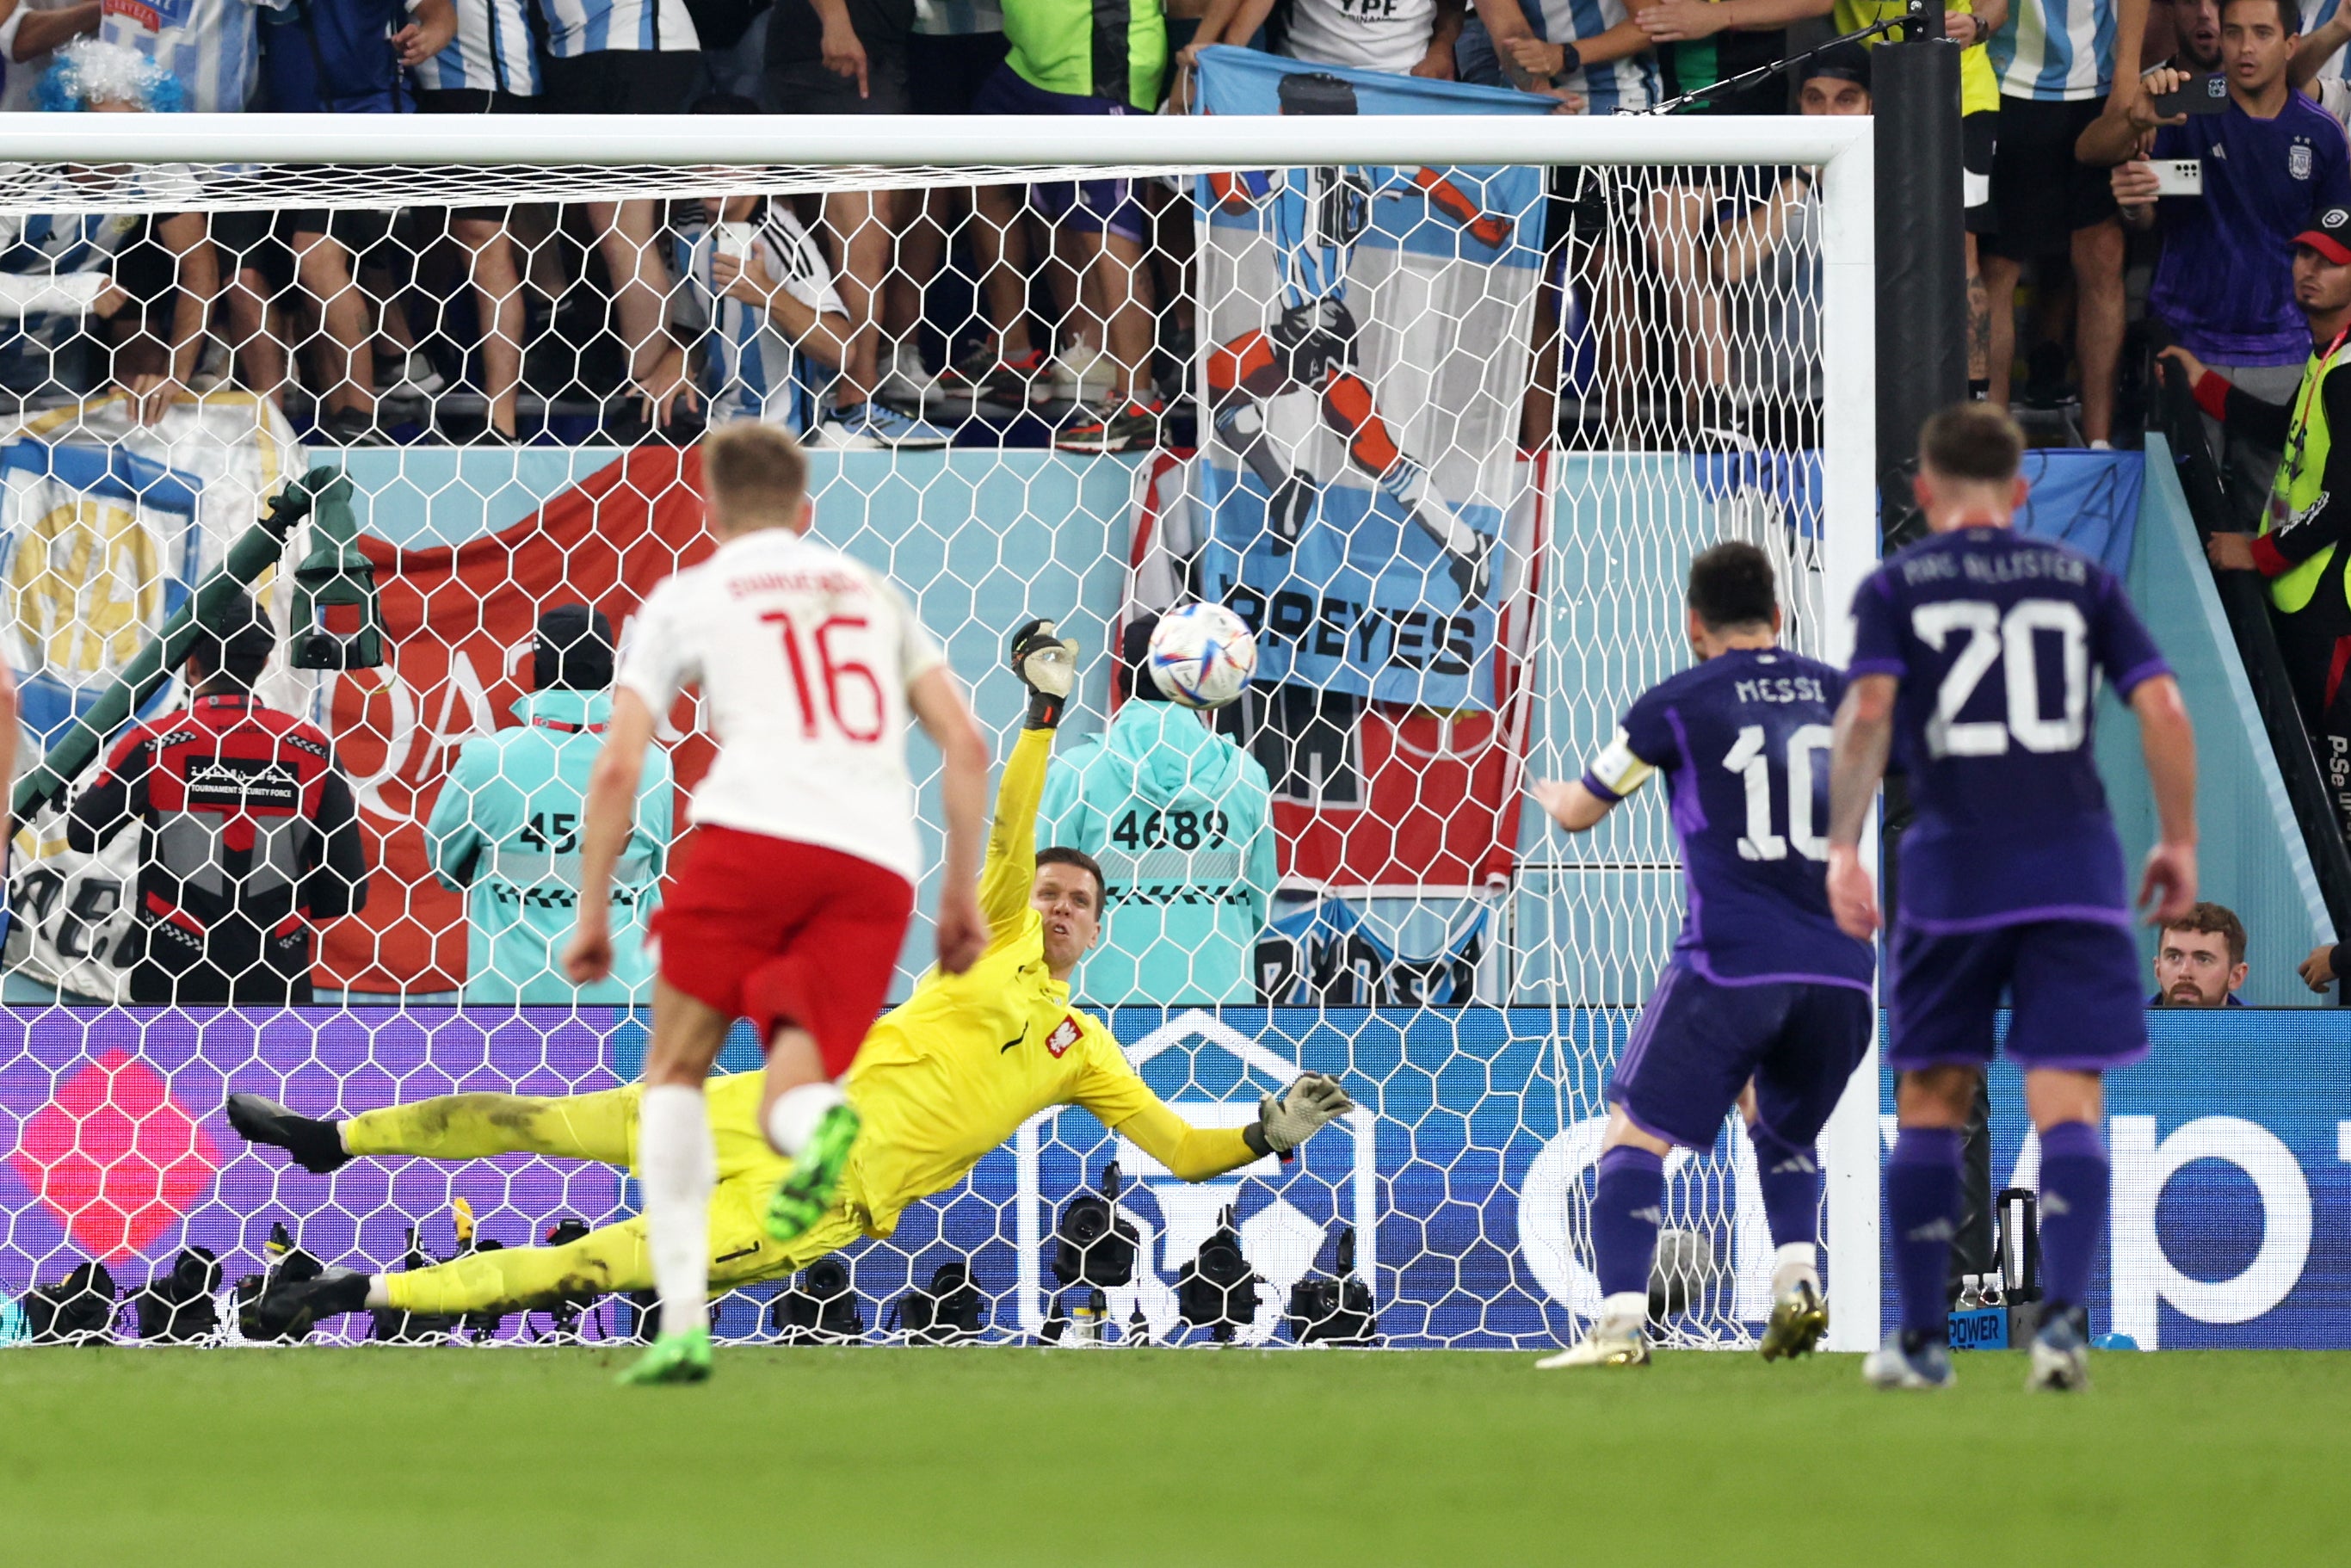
379,1296
1796,1261
1625,1305
678,1167
2102,447
792,1119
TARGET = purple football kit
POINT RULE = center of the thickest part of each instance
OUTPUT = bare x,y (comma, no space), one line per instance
2011,874
1762,985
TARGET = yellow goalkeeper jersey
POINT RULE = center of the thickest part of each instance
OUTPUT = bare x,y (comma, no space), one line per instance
953,1071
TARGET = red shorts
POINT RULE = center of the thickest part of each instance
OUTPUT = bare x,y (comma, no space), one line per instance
782,932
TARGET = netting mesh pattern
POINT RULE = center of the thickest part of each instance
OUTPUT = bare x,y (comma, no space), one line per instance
1445,438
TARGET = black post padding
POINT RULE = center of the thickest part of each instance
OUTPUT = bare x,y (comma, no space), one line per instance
1922,282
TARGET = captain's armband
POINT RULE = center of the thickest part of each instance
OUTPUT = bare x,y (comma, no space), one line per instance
1616,773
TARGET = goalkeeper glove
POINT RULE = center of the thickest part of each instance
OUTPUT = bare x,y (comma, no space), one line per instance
1048,666
1304,1107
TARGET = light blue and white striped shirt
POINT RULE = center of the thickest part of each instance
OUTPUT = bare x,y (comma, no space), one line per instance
57,263
53,267
57,242
2055,50
1626,86
750,370
575,28
2317,14
209,45
493,51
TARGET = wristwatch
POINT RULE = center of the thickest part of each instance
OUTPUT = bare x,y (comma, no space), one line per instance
1570,62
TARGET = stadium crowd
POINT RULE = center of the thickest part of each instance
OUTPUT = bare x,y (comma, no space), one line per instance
1066,313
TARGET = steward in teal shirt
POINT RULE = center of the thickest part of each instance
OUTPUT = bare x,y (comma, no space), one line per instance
505,832
1182,820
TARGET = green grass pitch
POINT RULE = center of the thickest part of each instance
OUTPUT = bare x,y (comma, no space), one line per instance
498,1457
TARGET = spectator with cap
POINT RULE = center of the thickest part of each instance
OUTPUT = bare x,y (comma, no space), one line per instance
1181,820
2200,959
506,830
248,834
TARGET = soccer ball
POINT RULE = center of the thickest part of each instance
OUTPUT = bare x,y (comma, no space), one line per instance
1202,655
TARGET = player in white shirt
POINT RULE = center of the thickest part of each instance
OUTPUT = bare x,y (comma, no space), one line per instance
760,302
790,906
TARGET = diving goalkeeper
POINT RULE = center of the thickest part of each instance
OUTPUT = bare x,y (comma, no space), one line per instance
941,1080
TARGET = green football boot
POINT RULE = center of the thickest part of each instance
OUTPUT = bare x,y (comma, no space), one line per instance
806,1191
1799,1319
683,1357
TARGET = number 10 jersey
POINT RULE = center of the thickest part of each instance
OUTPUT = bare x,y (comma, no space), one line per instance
1999,640
804,657
1743,742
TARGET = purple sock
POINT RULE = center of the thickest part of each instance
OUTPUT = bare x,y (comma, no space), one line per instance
1626,1202
1922,1199
2075,1181
1791,1177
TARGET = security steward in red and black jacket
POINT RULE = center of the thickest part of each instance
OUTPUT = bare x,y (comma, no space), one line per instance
248,834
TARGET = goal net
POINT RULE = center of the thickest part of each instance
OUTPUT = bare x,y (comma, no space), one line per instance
1440,399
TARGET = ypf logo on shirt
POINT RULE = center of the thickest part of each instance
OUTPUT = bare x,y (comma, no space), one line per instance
1064,1035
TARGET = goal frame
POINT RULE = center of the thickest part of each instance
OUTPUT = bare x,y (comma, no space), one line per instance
904,151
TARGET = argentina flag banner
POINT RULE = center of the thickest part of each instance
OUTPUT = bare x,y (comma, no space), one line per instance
1363,349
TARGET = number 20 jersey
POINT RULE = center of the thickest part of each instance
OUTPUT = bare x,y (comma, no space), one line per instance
804,657
1999,640
1743,742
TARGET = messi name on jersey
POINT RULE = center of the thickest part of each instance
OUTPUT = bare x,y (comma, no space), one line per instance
1743,741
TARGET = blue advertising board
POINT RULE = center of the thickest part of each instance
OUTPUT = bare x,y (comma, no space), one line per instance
1465,1174
2231,1217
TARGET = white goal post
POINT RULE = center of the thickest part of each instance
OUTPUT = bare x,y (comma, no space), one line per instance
168,164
